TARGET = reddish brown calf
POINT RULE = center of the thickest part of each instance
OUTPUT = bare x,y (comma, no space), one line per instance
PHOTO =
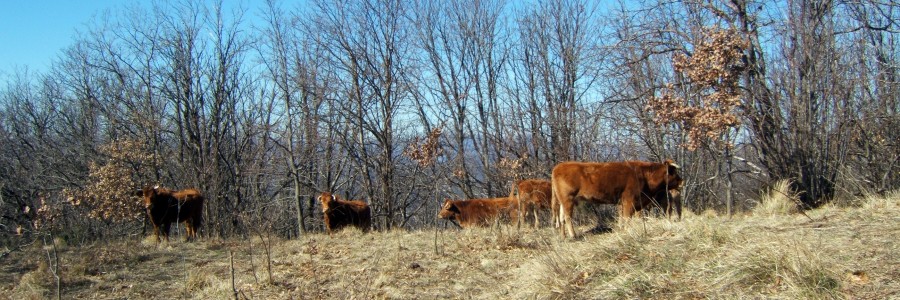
342,213
479,212
533,194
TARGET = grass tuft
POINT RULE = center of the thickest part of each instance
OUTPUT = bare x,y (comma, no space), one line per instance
780,200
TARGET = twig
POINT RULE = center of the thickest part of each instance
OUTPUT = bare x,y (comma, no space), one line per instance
233,289
54,266
267,243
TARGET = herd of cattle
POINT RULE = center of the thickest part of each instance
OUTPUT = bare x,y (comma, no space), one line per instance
633,185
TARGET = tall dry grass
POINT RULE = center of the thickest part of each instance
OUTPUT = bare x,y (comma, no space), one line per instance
833,253
780,199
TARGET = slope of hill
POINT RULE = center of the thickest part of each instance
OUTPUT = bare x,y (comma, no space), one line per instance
831,252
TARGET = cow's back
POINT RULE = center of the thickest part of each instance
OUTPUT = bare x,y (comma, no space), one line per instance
595,181
191,203
485,210
362,213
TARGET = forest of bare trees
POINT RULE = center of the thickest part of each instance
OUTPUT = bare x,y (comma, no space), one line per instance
403,104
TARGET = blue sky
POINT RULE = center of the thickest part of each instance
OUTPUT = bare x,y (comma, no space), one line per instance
34,33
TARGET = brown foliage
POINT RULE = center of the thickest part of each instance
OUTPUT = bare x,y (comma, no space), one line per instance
713,71
427,150
511,168
45,215
109,193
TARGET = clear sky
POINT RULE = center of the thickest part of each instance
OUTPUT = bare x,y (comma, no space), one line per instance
34,32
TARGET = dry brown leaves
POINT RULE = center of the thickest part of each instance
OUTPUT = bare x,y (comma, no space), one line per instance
426,151
109,192
713,72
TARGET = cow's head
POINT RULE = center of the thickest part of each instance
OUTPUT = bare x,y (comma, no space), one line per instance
327,200
148,193
449,211
672,179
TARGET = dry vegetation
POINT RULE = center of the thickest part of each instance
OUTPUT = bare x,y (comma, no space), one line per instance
830,252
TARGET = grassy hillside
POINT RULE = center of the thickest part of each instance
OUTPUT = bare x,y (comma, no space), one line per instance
832,252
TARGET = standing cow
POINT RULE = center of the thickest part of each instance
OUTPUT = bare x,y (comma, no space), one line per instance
165,207
479,212
341,213
533,194
629,184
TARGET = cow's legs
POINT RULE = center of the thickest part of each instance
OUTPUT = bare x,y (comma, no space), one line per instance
565,214
522,210
628,208
677,201
189,230
165,230
156,234
560,222
554,215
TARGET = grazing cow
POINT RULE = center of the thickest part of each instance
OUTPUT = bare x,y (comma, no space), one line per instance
533,194
341,213
629,184
165,207
479,212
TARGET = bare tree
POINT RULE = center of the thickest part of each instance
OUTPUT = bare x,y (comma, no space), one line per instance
366,43
464,56
560,57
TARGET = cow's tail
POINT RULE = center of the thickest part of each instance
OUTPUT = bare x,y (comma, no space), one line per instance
554,205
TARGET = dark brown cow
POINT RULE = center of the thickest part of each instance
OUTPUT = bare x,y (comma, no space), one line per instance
165,207
341,213
479,212
669,202
533,194
629,184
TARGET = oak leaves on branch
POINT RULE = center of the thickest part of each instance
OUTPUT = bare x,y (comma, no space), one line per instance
705,105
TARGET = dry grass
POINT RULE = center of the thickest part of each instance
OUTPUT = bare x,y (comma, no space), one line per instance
780,200
835,252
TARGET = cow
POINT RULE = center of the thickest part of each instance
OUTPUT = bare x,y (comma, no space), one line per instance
533,194
630,184
165,206
479,212
338,213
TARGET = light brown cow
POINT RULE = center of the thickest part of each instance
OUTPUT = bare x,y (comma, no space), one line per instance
341,213
479,212
165,207
623,183
533,195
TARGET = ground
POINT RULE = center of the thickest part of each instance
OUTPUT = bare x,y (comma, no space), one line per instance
831,252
